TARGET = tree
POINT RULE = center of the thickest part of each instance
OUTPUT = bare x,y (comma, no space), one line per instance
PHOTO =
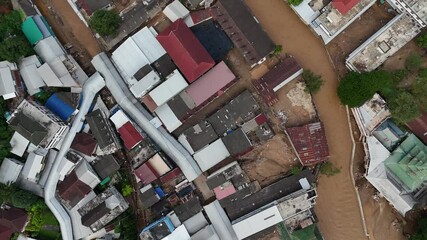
14,47
23,199
313,82
399,75
127,190
421,233
105,22
403,107
357,88
413,62
295,2
422,40
37,221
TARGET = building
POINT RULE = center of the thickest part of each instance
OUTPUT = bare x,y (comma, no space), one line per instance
310,143
12,220
35,28
37,124
398,175
101,210
133,58
103,132
59,69
77,185
61,106
84,143
419,127
168,89
244,30
211,155
105,166
149,196
185,50
158,229
130,136
90,6
34,165
10,170
8,80
411,18
19,144
238,111
389,134
371,114
197,137
28,69
176,10
284,72
151,170
237,142
27,7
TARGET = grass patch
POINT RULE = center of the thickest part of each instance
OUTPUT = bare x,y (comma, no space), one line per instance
49,235
49,218
329,169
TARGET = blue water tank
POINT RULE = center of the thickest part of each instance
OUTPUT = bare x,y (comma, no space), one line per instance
59,107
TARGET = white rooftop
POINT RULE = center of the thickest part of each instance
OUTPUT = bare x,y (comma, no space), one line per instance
169,88
176,10
148,82
7,82
85,174
211,155
180,233
9,170
149,45
168,117
19,144
119,118
28,69
33,166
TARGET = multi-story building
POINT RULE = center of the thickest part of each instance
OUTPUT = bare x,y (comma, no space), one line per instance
37,124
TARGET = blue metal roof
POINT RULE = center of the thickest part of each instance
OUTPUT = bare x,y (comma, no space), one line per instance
59,107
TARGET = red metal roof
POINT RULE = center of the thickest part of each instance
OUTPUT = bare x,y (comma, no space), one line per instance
211,83
343,6
260,119
12,220
200,15
146,173
84,143
310,143
419,127
185,50
170,175
273,78
130,136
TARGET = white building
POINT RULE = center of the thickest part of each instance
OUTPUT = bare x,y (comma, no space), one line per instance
32,79
176,10
10,170
34,165
19,144
7,80
38,125
211,155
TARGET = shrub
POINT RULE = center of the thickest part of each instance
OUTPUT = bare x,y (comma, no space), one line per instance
413,62
278,49
127,190
313,82
105,22
399,75
295,170
329,169
295,2
23,199
419,90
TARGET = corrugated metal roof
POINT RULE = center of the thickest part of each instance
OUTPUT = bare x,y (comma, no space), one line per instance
175,10
343,6
9,170
210,83
211,155
180,233
7,85
148,44
129,58
169,88
141,87
19,144
31,31
207,233
220,221
119,118
186,51
48,76
146,174
42,26
168,118
48,49
195,223
32,167
377,153
28,69
158,163
257,222
130,136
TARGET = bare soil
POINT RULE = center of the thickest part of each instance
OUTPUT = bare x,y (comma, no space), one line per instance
70,29
269,161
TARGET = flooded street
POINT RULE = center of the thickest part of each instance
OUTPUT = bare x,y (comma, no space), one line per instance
337,207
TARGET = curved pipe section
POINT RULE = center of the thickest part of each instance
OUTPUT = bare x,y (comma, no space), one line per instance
92,86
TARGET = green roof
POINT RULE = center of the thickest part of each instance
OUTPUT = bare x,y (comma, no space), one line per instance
31,31
408,163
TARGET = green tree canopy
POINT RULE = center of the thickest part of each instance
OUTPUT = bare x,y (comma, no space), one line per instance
419,89
23,199
13,44
105,22
313,82
357,88
413,62
295,2
421,233
403,107
422,40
